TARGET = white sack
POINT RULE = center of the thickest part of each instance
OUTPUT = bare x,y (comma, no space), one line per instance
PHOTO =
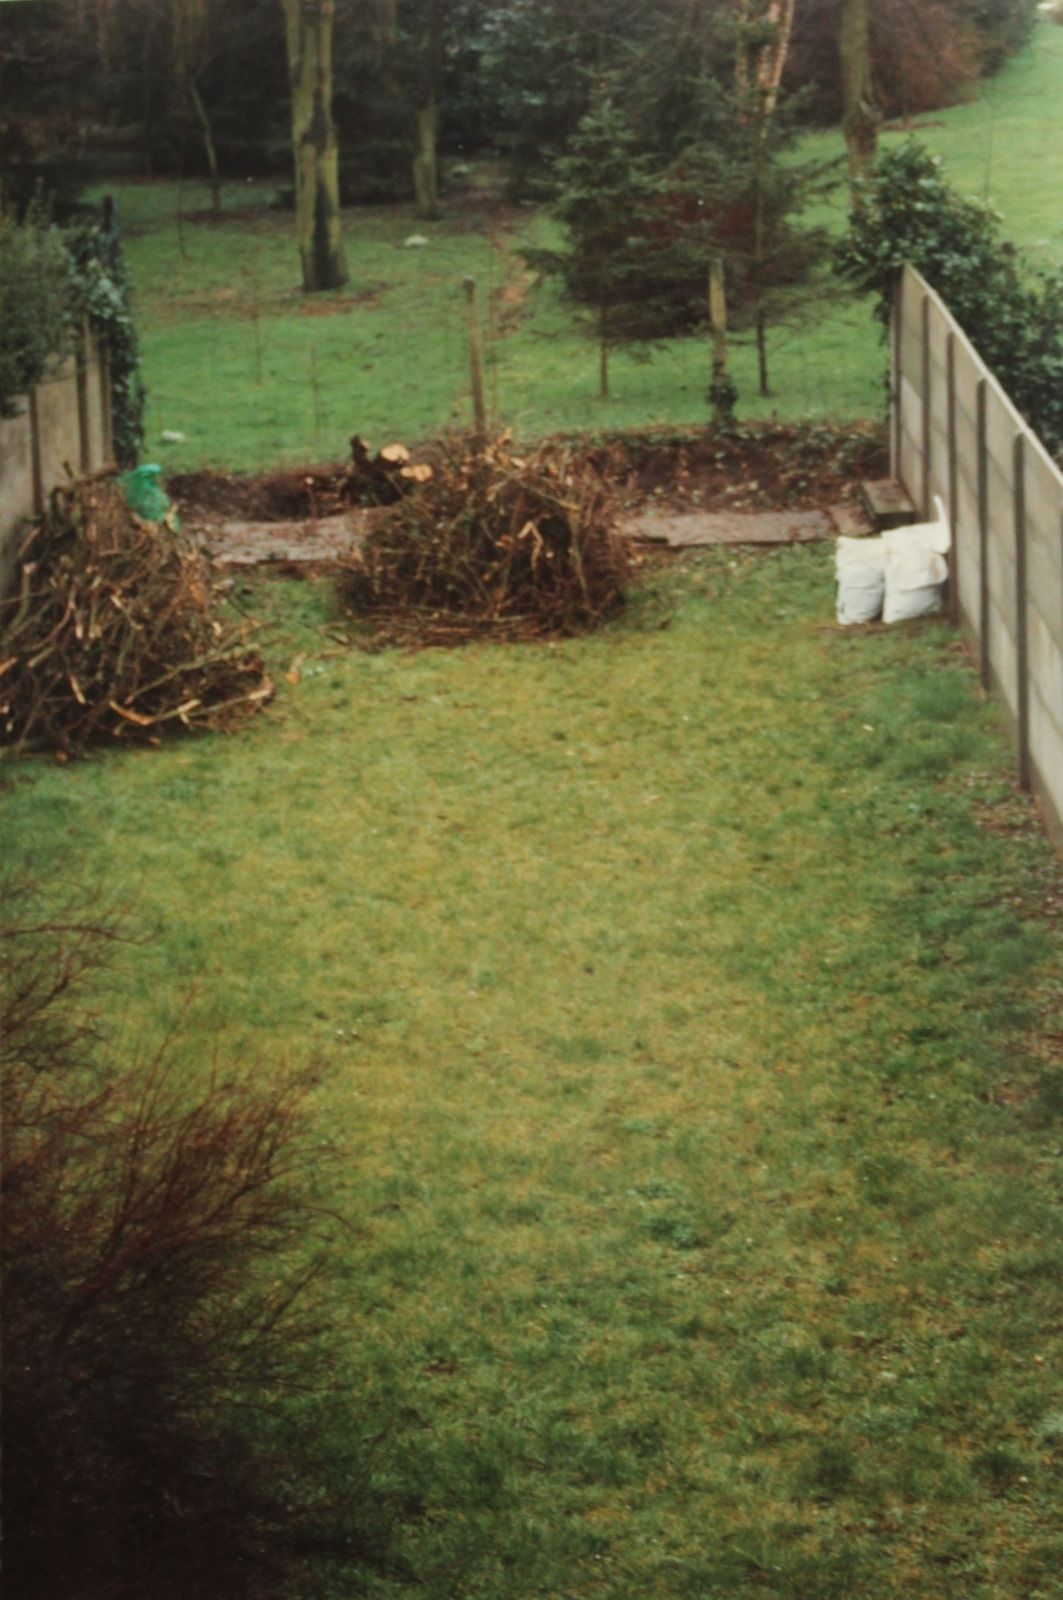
916,568
859,566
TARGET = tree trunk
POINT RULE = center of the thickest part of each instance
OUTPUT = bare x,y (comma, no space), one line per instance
425,166
722,392
861,116
316,156
757,264
208,144
762,353
425,163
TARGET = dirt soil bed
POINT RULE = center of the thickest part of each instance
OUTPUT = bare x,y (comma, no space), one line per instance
774,468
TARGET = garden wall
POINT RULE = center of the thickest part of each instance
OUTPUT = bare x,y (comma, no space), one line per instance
955,433
63,430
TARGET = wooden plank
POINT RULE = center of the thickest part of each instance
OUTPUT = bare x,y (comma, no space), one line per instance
887,503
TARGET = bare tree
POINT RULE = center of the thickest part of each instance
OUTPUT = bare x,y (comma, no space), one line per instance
860,114
316,155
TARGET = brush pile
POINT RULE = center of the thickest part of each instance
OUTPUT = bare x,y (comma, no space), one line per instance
492,545
111,632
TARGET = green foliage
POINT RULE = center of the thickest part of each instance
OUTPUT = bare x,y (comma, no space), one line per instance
1011,309
49,280
605,194
1004,26
36,310
103,291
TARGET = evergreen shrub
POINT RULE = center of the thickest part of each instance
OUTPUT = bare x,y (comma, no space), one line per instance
36,305
1010,308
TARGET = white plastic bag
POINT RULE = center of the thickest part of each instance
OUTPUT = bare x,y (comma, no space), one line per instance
859,566
916,568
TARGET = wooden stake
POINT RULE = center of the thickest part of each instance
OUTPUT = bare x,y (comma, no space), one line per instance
476,360
722,393
315,384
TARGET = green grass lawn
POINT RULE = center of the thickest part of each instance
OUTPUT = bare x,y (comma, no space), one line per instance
684,998
254,374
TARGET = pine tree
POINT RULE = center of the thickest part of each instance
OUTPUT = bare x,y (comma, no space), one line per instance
604,200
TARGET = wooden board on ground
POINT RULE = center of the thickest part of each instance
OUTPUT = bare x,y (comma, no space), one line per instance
314,539
684,530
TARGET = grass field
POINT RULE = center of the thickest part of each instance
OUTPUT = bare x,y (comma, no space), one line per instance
253,374
685,1003
686,998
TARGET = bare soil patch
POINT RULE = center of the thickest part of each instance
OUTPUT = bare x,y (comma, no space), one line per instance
776,468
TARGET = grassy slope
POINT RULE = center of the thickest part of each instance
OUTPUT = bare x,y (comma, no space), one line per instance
677,994
390,352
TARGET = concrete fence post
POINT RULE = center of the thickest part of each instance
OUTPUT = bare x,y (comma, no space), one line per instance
1022,652
925,339
985,667
950,371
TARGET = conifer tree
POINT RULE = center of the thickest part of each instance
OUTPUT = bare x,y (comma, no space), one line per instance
605,193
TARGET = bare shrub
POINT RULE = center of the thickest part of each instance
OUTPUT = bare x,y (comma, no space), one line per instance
165,1317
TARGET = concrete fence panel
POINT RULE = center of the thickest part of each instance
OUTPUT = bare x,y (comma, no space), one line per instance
956,433
62,430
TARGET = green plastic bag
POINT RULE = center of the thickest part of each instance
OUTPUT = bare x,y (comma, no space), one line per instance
146,496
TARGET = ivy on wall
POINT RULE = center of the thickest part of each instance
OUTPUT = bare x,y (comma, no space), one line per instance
49,281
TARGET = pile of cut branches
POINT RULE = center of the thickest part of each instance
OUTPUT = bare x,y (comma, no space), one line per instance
111,631
492,545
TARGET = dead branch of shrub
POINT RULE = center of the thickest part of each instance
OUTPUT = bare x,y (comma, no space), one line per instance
493,545
112,632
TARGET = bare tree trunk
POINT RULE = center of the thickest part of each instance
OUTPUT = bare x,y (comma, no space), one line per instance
757,264
208,144
317,201
860,116
722,392
425,163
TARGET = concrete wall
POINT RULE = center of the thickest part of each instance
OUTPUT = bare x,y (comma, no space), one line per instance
955,433
62,430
